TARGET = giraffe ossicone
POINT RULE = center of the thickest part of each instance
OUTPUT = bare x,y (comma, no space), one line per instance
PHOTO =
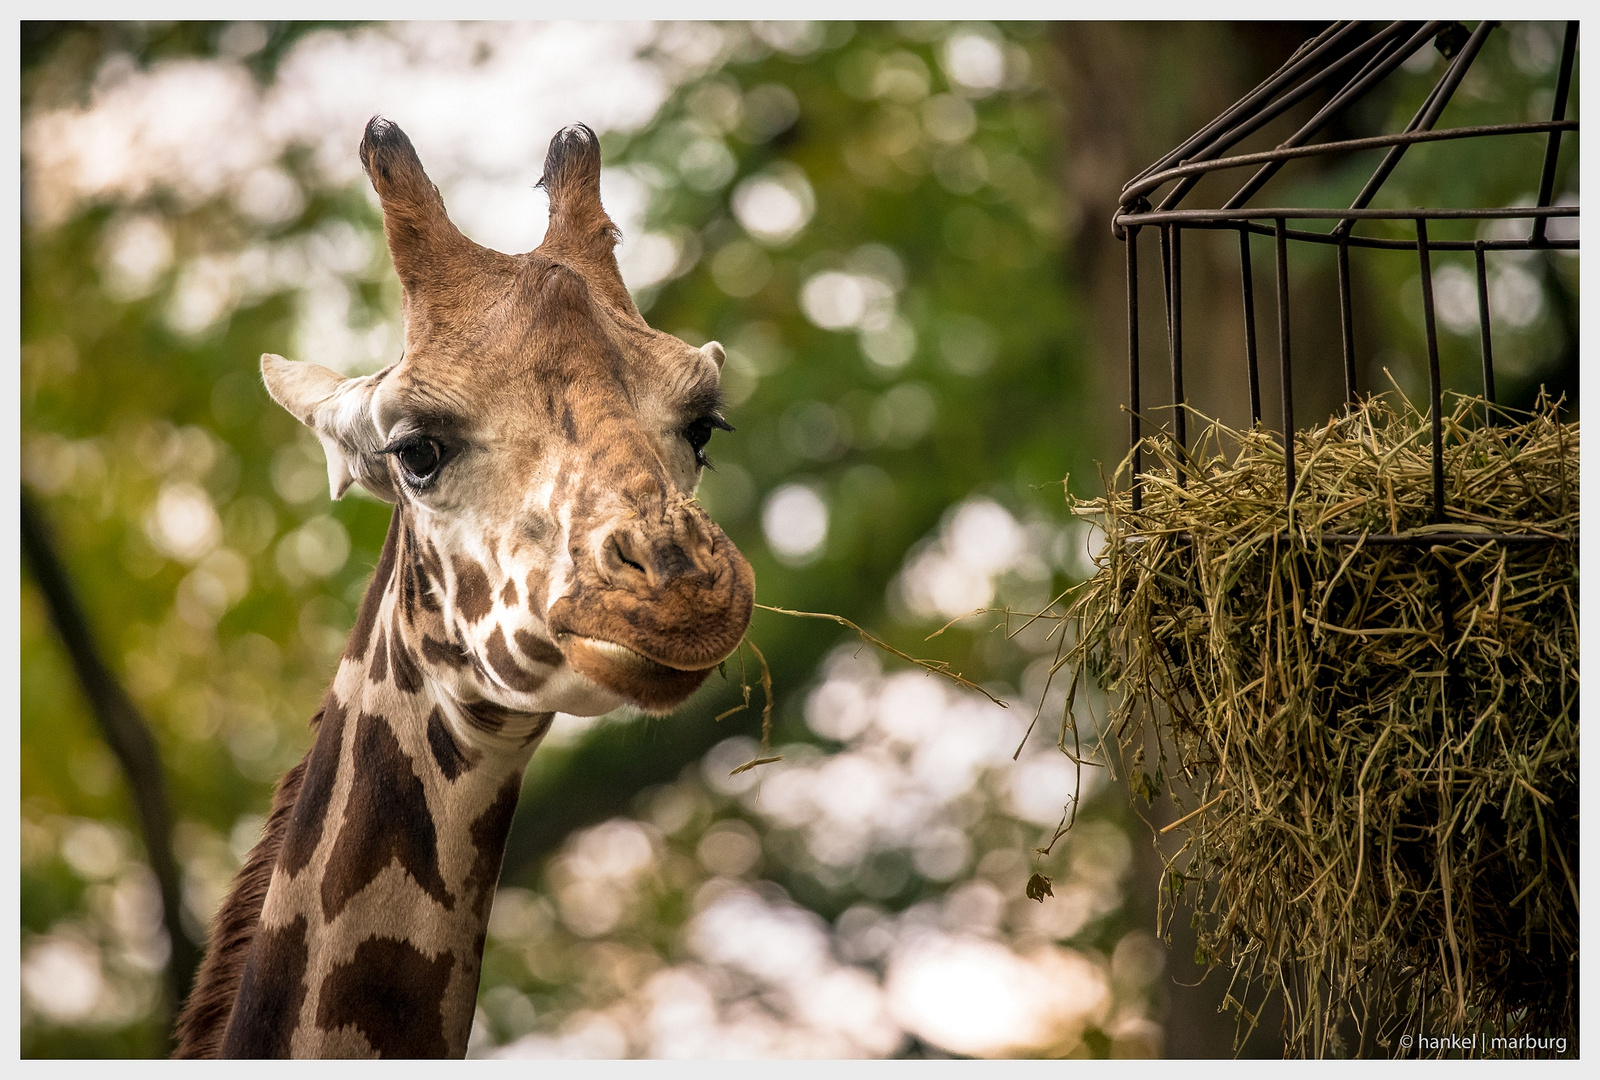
541,445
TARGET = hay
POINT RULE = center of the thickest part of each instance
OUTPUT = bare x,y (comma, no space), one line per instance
763,754
1377,806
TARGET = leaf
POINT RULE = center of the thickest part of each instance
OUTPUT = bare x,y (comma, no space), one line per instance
1039,888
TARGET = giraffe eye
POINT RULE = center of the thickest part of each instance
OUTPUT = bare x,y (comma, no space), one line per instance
698,432
419,457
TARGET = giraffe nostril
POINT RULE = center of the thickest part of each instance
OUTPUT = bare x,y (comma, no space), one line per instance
645,558
624,557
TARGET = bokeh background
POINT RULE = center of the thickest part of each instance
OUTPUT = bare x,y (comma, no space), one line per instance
901,234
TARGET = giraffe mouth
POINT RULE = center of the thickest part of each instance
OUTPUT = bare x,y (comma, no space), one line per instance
621,654
647,683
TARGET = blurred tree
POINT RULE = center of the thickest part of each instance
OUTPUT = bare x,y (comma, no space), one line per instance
127,734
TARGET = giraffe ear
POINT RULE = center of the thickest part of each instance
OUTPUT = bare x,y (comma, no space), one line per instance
339,410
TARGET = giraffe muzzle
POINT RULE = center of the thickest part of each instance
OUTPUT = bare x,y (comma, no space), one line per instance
653,635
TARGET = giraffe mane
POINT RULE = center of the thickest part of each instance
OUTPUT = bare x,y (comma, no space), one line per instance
205,1015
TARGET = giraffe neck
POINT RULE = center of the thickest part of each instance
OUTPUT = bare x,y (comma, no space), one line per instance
370,935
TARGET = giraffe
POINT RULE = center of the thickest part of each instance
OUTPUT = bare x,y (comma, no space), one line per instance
541,445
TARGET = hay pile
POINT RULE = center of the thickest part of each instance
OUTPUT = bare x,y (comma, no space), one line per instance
1377,806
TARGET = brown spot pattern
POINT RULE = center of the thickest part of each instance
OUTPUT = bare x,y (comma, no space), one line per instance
408,589
386,819
473,598
393,995
270,994
506,666
311,808
441,652
508,595
537,649
406,675
432,566
487,716
488,833
378,669
472,971
447,753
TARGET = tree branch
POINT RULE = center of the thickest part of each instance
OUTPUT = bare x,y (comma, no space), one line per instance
126,732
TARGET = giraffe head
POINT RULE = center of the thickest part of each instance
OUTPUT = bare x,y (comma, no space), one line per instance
542,445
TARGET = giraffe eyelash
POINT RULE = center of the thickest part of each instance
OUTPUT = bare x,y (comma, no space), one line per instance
419,472
697,433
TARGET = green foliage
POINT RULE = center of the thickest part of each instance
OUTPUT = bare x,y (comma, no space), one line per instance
224,617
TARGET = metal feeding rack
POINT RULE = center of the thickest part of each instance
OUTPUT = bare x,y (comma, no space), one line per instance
1343,62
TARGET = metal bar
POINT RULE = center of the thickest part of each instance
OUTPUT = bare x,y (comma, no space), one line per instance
1289,71
1235,222
1442,574
1164,246
1132,241
1379,69
1251,367
1180,419
1558,111
1447,626
1375,242
1283,363
1314,213
1425,117
1380,41
1435,403
1192,167
1347,325
1483,327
